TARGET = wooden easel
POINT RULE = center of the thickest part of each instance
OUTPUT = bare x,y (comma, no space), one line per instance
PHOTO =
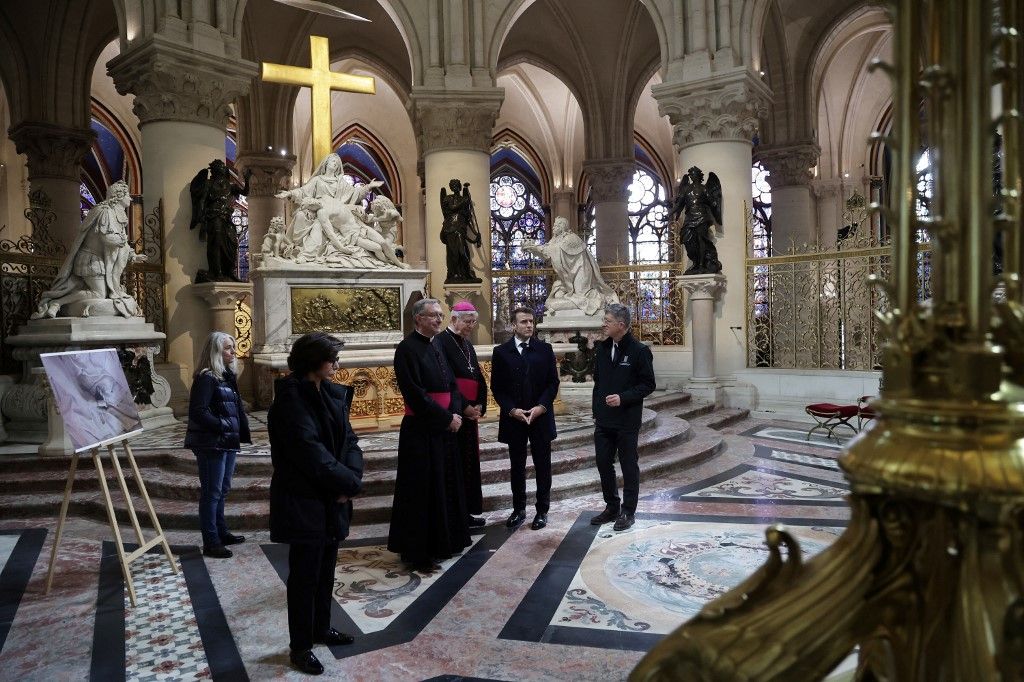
144,545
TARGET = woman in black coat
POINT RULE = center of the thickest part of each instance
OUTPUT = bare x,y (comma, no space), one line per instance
318,468
217,426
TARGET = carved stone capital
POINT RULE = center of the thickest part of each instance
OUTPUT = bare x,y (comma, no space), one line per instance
789,165
721,108
702,287
53,151
173,82
824,188
609,178
455,119
223,295
270,172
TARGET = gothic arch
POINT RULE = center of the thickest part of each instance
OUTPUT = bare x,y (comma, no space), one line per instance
508,138
133,160
359,132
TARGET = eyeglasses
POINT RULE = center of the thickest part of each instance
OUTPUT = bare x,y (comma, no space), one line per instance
436,316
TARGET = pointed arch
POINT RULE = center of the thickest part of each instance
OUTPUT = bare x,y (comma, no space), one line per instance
377,156
506,138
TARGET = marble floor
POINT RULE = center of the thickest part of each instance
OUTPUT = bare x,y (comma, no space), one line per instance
570,602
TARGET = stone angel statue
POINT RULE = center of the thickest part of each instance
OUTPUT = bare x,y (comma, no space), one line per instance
701,203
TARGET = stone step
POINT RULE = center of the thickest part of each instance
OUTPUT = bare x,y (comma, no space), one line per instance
721,418
662,452
170,483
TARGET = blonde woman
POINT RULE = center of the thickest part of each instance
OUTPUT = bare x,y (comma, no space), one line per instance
217,426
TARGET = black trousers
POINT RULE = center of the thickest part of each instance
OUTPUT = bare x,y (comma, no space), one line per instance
310,585
540,448
608,442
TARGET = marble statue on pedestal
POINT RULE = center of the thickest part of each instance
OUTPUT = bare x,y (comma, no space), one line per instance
89,281
331,228
578,282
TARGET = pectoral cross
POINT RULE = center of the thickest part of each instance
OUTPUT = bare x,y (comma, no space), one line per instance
321,80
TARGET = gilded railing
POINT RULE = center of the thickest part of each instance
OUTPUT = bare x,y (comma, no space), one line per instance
813,308
656,303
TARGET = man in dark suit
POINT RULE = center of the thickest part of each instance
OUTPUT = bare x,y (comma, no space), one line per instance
524,381
623,377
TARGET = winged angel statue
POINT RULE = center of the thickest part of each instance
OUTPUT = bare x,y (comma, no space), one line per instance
702,205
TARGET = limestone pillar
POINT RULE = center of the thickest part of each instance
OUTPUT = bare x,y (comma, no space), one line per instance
55,156
271,173
794,213
454,130
609,191
829,195
714,121
704,291
563,205
182,99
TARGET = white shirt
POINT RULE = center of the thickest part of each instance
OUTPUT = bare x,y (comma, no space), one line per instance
519,346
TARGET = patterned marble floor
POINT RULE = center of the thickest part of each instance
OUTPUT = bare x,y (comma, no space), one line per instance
573,600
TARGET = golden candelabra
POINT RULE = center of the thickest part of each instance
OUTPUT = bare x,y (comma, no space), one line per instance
928,579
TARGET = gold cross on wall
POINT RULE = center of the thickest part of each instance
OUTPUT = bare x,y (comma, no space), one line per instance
322,81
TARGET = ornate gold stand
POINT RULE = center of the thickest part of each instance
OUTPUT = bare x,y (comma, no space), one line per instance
929,576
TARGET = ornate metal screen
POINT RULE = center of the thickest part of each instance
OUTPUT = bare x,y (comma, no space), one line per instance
145,281
810,307
28,265
655,302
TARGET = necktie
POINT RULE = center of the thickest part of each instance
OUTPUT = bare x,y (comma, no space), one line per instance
522,347
615,348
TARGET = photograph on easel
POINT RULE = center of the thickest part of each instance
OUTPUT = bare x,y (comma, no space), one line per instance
92,396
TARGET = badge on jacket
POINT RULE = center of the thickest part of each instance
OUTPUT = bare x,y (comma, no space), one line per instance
625,361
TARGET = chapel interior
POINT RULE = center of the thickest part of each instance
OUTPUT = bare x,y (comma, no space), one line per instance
831,483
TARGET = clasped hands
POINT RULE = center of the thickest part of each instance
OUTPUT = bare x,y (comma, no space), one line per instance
527,416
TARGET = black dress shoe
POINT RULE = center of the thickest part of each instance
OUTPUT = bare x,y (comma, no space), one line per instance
335,637
307,662
539,521
609,514
477,522
624,521
231,539
217,552
516,518
426,567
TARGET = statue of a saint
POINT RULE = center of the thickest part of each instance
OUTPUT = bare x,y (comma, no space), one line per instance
458,231
330,225
89,281
213,196
702,204
578,282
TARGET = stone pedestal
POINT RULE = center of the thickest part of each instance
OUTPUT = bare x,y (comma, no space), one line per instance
573,335
367,309
704,291
29,405
223,298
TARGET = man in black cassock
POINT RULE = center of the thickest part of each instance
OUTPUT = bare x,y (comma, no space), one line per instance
428,516
472,386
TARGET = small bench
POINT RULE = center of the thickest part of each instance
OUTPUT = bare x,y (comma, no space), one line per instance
830,417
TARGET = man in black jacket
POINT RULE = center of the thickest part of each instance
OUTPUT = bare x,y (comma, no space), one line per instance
623,377
524,381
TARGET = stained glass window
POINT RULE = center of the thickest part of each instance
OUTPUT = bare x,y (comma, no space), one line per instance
761,247
649,234
761,204
517,218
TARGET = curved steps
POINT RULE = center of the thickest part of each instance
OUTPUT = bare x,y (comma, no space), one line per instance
33,487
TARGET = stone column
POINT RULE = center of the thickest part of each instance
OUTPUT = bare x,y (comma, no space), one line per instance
794,214
271,173
182,99
829,195
454,130
609,190
563,205
714,121
704,291
55,156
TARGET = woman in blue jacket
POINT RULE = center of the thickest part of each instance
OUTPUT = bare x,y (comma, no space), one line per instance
217,426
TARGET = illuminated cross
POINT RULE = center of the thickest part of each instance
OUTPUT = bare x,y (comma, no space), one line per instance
322,81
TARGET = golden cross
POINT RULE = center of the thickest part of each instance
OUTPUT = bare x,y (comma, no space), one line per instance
322,81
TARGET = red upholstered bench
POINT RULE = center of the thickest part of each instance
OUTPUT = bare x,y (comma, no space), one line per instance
830,417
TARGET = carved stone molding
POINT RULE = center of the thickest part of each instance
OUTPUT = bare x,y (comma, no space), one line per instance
455,119
609,178
789,165
721,108
172,82
824,188
270,172
702,287
53,151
